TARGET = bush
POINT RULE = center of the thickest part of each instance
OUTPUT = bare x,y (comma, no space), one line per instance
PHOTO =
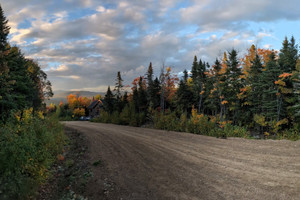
166,121
28,147
115,118
200,124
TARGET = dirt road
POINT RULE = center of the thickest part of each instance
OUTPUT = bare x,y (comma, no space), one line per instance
139,163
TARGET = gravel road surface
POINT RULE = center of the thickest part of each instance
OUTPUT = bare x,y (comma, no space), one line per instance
141,163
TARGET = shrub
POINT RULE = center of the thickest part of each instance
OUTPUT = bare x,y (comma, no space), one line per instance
166,121
199,124
115,118
105,117
28,147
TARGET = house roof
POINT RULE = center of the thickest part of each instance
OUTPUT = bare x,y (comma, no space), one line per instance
94,103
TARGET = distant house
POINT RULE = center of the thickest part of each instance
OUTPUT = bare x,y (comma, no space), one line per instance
94,108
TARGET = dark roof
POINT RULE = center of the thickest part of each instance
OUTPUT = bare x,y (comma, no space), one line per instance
94,103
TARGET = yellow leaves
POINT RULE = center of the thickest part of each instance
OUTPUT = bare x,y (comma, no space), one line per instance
281,122
202,92
260,119
195,117
266,134
78,112
246,103
213,90
26,117
190,81
280,82
221,97
40,115
224,102
168,69
194,111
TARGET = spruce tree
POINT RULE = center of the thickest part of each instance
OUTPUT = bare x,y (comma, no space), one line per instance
233,85
271,100
255,78
156,93
118,89
4,30
184,94
150,92
142,96
109,101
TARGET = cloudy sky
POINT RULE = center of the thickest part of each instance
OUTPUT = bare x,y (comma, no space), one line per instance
81,44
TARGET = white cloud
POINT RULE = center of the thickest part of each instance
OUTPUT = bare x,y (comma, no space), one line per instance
91,40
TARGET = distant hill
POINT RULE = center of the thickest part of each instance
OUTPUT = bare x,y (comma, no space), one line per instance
61,95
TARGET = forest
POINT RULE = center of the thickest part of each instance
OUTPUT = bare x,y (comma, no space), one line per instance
253,96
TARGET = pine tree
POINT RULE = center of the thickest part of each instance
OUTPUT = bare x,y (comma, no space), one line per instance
156,93
184,94
119,85
271,101
233,85
150,92
255,78
199,79
109,101
288,57
118,89
4,30
142,95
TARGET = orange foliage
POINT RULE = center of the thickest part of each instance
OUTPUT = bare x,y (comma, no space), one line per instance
79,102
224,102
84,101
284,75
72,101
136,81
264,55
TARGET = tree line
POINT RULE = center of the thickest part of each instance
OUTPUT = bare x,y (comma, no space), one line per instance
259,91
23,83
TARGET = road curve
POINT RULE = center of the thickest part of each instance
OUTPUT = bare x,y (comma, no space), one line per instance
153,164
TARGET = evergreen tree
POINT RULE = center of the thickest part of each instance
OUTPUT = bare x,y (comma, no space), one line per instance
4,30
142,96
118,89
255,78
288,57
184,94
233,85
199,79
150,89
125,100
135,99
271,101
109,101
119,85
156,93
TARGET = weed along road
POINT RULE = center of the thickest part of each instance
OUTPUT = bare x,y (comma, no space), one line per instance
140,163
